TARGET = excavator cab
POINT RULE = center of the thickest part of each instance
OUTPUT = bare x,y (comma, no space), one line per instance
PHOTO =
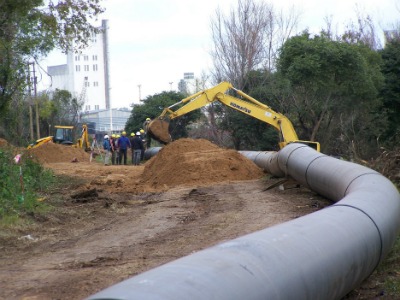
63,135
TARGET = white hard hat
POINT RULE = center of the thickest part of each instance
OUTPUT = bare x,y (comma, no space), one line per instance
106,137
138,133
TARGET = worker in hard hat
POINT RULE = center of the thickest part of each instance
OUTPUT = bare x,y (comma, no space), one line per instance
144,141
117,157
146,130
137,147
107,147
123,145
113,139
146,124
131,141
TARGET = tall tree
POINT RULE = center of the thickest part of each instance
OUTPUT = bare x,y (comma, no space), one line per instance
239,40
59,108
29,29
391,89
334,88
248,38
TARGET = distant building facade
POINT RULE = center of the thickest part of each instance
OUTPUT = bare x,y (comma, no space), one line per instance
86,74
187,84
106,120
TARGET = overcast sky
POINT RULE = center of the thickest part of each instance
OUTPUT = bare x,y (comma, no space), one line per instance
153,42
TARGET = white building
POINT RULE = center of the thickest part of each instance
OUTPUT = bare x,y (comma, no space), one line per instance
187,84
86,74
101,122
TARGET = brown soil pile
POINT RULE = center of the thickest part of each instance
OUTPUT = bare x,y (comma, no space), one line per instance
54,153
197,162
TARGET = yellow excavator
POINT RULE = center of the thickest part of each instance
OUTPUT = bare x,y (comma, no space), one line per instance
64,135
159,127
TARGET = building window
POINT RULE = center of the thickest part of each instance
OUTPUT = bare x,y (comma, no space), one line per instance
94,57
95,83
85,57
95,68
86,67
77,58
87,107
87,83
96,107
77,68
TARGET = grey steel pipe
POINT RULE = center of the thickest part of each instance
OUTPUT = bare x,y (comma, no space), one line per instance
149,153
323,255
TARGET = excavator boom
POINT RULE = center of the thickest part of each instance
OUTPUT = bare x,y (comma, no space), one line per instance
158,128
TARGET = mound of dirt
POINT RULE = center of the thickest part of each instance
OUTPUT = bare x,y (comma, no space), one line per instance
54,153
197,162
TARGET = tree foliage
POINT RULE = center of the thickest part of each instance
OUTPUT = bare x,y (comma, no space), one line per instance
334,89
247,132
29,29
59,108
391,90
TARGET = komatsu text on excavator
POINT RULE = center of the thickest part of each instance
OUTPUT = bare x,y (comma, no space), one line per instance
159,127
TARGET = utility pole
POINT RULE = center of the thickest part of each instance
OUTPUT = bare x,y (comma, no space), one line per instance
30,103
140,94
36,101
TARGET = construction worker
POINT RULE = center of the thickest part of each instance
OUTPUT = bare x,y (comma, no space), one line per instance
114,148
137,147
123,145
146,123
107,146
143,137
146,129
117,149
131,141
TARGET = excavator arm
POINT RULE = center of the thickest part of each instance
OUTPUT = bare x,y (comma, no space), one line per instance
158,128
83,141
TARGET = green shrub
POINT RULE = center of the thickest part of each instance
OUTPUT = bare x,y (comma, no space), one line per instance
21,184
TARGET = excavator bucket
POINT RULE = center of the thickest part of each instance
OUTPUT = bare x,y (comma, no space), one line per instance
159,130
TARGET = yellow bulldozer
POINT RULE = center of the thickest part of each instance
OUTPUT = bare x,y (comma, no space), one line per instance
64,135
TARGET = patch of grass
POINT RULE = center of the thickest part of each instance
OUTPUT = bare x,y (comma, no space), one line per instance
392,287
20,186
389,272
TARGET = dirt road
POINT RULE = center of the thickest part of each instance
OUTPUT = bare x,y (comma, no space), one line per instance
108,224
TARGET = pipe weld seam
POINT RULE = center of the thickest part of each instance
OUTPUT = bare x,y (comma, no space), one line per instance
377,229
288,157
351,181
306,177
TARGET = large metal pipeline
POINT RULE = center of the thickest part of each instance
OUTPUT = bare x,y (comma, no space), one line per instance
323,255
